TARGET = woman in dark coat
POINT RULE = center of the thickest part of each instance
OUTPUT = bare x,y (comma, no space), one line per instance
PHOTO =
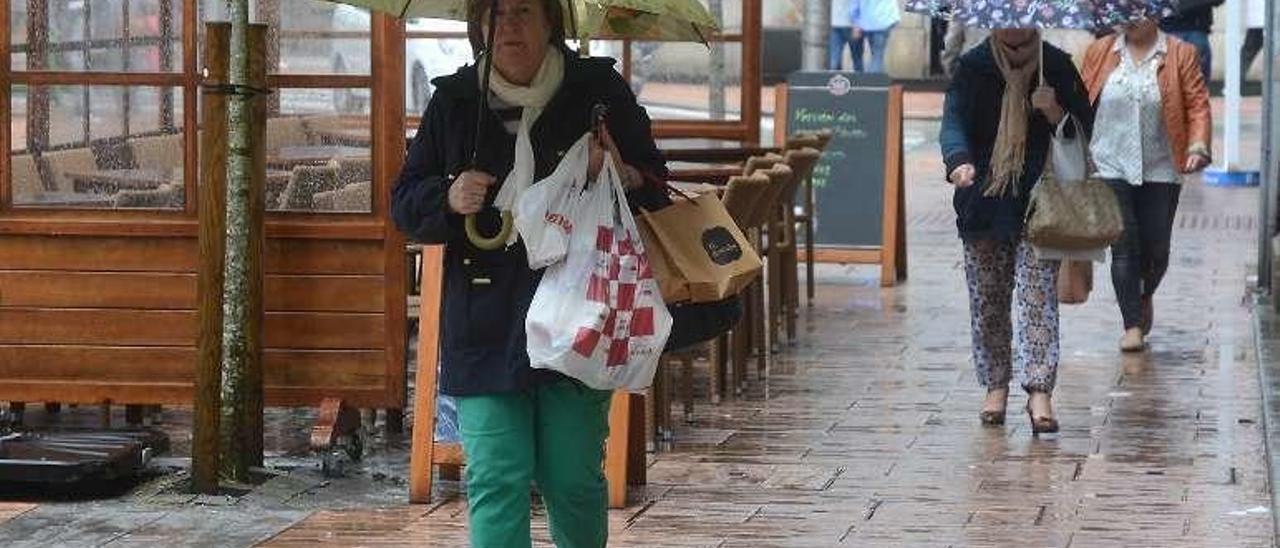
996,130
518,425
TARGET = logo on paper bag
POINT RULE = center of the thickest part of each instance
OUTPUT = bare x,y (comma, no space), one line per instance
721,245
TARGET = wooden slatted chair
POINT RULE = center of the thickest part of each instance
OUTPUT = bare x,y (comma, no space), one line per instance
286,131
161,152
62,162
168,196
26,177
817,140
304,183
781,179
352,198
728,352
783,250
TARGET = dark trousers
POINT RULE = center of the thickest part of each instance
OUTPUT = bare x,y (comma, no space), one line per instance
1253,44
1141,256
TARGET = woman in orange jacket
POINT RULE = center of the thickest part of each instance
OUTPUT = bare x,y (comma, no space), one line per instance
1152,126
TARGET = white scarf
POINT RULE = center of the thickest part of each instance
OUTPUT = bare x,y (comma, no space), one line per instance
532,98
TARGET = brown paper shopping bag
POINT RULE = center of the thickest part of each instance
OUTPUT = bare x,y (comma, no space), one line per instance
702,247
674,288
1075,281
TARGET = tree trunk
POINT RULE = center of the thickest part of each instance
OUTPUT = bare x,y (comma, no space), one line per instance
241,367
817,34
716,77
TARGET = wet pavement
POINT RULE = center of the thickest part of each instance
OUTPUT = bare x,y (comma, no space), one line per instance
865,433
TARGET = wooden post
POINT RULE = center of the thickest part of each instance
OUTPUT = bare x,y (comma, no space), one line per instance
252,431
6,117
213,180
422,453
617,451
388,119
893,259
752,63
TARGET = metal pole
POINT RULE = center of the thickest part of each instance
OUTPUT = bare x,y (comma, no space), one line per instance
817,34
1267,203
1231,140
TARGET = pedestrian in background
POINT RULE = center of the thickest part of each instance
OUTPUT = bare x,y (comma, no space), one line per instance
1256,21
959,39
873,20
998,121
1192,25
1152,125
841,34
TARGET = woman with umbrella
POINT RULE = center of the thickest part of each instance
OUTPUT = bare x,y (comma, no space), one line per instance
1007,99
519,425
1153,126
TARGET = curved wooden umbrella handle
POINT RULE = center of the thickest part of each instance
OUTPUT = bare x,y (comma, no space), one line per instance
489,244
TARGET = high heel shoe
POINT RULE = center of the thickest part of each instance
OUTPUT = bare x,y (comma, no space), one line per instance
1041,425
994,417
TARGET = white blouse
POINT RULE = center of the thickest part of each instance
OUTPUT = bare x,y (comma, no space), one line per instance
1130,142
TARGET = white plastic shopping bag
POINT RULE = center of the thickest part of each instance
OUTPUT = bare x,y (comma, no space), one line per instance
544,214
597,315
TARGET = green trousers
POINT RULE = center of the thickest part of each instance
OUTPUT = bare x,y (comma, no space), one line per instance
553,435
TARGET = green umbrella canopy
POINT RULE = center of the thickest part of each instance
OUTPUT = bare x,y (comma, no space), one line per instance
646,20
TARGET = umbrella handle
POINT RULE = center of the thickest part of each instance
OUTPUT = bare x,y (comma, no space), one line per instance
489,244
1041,62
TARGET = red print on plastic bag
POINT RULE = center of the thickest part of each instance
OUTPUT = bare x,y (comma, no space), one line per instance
619,270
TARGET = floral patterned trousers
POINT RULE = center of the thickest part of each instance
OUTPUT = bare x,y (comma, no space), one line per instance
1005,277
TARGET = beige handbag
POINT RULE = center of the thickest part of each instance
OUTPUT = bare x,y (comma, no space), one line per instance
1070,210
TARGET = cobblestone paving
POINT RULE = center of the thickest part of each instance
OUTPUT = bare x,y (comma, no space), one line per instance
866,434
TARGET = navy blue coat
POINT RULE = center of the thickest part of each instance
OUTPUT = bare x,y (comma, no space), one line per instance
487,293
971,119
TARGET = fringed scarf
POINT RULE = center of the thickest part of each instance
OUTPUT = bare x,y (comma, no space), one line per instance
1009,156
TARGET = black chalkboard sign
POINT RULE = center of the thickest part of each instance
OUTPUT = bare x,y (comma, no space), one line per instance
857,187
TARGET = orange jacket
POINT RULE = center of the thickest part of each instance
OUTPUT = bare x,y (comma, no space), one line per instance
1188,119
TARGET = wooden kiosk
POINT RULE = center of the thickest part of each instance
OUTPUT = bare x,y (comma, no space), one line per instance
98,225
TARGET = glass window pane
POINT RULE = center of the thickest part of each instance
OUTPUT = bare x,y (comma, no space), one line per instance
682,81
319,161
97,146
428,57
308,36
93,35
